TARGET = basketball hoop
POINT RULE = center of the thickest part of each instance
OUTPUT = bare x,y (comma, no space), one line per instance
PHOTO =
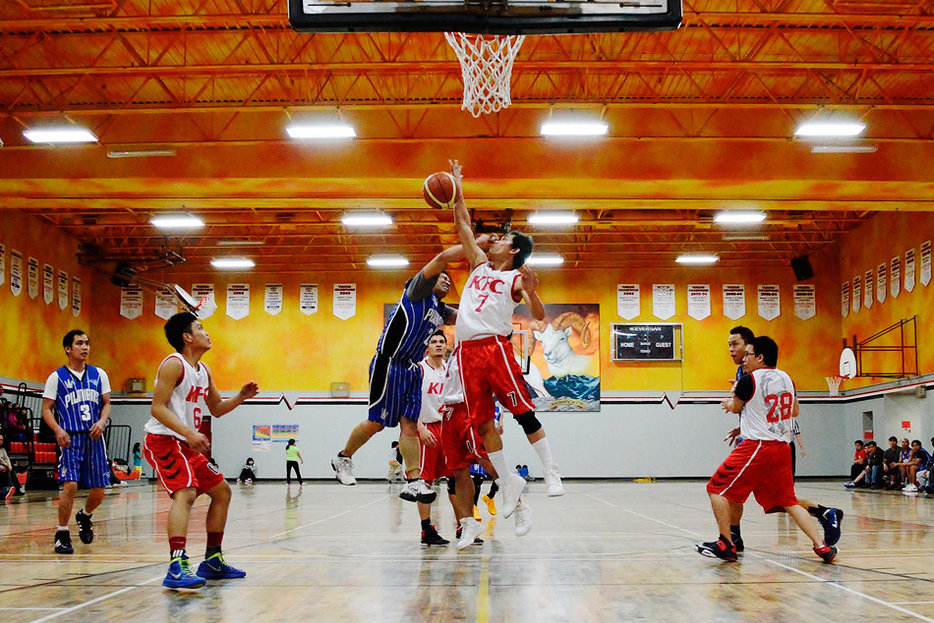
833,385
486,66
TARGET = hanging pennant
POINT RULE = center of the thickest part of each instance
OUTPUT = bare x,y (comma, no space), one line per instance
857,293
272,301
238,300
75,297
16,272
734,300
770,306
166,304
2,264
699,300
32,277
925,276
62,289
48,283
308,298
805,300
205,292
895,276
882,285
868,290
909,270
628,304
845,299
663,300
344,305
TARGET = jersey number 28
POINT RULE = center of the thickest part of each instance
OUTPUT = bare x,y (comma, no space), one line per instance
780,406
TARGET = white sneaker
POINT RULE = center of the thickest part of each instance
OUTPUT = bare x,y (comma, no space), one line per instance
511,486
553,484
418,491
343,470
523,519
910,489
470,530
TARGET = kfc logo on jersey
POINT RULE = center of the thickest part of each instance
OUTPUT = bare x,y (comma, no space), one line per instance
485,282
435,388
195,393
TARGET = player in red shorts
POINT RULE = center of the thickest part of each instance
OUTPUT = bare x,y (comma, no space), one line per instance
184,394
761,464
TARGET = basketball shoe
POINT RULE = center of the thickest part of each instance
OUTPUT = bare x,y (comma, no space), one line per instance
827,552
523,517
553,485
214,568
717,549
511,485
85,528
459,531
830,521
63,542
343,470
490,504
470,530
180,575
431,537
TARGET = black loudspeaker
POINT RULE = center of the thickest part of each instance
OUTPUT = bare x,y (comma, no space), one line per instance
802,267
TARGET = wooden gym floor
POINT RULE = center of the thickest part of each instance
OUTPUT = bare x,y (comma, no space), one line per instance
606,551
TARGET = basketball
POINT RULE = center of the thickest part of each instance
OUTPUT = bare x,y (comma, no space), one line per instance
439,190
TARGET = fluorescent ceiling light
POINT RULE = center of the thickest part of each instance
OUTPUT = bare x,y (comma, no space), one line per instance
232,262
742,237
340,130
386,261
739,217
176,221
844,149
366,219
545,259
697,258
825,129
142,153
240,243
553,218
575,128
60,135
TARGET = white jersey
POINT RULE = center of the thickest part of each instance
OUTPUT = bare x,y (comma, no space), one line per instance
486,304
187,401
453,390
767,415
432,391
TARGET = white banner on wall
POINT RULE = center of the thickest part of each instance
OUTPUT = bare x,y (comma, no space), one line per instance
238,300
272,301
698,300
344,305
805,300
857,293
909,270
845,299
663,300
2,264
628,305
32,277
868,290
131,302
209,306
895,276
75,296
166,304
925,276
770,306
734,300
62,289
882,285
48,283
308,298
16,272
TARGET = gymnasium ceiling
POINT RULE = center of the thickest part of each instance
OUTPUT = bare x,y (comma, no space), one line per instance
701,119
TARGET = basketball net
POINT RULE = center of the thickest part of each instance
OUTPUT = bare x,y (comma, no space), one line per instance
486,65
833,385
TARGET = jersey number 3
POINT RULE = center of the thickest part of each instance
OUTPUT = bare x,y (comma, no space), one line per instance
780,406
85,413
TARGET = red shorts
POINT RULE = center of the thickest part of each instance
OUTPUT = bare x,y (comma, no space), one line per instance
462,445
488,367
432,458
760,467
179,466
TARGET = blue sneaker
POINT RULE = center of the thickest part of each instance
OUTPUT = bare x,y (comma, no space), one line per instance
830,521
214,568
180,575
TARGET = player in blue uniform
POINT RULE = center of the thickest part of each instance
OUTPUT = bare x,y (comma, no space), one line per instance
395,378
81,395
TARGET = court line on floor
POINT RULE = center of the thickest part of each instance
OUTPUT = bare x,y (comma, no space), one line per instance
91,602
316,522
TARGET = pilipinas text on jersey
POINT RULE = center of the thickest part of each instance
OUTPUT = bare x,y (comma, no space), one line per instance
78,400
410,326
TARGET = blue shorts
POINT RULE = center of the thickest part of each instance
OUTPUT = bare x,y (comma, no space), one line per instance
84,462
395,391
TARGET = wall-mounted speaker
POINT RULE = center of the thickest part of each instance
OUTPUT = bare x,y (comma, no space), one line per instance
802,267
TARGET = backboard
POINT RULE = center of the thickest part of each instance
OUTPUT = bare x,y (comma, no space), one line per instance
512,17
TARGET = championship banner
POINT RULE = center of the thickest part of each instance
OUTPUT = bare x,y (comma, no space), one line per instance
32,277
805,300
272,301
734,300
882,286
868,289
75,297
2,264
166,304
770,306
209,306
699,300
62,289
845,299
925,263
857,293
344,305
628,304
895,276
909,270
308,298
131,302
16,272
663,300
48,283
238,300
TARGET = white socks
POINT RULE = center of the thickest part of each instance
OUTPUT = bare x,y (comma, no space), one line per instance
498,459
543,448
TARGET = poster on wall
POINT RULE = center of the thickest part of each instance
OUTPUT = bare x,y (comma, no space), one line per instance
845,299
238,300
284,432
882,286
698,300
166,304
734,300
205,292
308,298
62,289
857,297
925,276
895,276
75,297
770,306
805,300
48,283
16,272
2,264
868,290
628,305
32,277
344,305
909,270
131,302
663,300
272,301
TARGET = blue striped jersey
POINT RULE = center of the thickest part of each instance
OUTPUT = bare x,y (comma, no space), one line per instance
411,324
78,399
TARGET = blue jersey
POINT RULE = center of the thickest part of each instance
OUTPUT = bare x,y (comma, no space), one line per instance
78,400
411,324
